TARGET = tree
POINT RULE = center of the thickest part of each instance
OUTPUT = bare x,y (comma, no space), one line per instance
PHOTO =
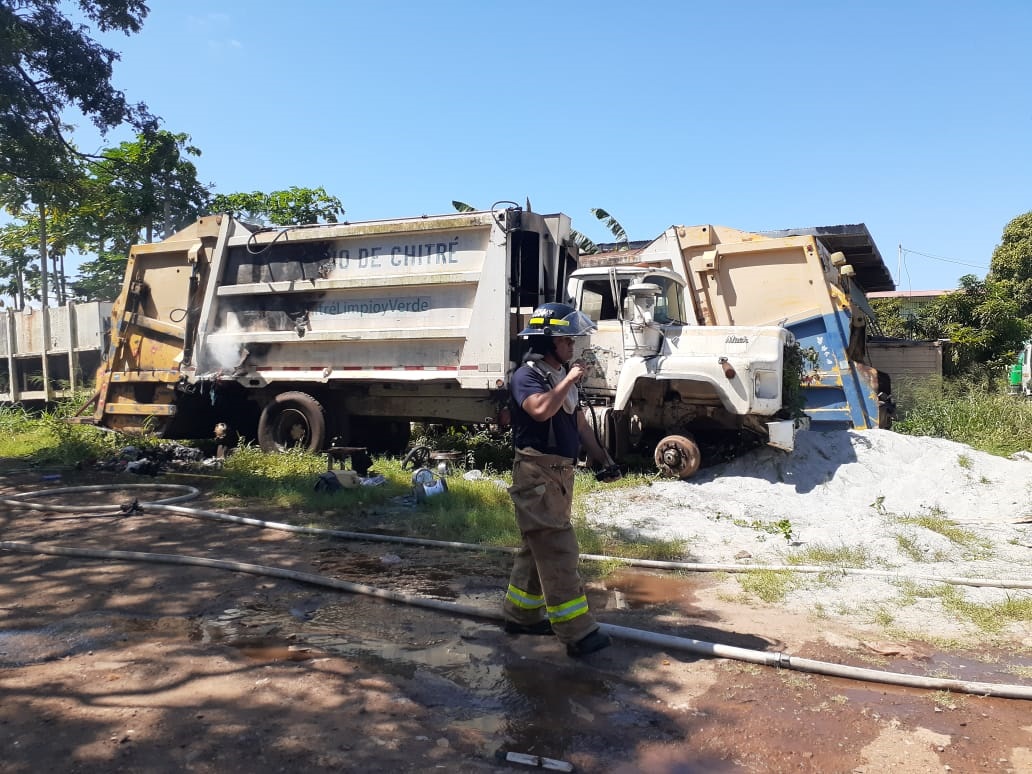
49,64
981,321
19,279
44,205
294,206
1011,263
101,278
145,186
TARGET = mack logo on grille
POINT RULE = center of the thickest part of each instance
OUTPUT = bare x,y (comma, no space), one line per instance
736,339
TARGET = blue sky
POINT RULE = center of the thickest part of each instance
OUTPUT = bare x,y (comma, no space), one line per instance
912,117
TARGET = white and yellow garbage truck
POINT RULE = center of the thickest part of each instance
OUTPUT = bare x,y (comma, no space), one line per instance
346,333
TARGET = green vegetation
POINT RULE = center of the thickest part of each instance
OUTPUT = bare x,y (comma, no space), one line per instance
963,411
857,557
46,439
947,701
800,366
991,617
781,527
934,520
477,511
909,546
768,585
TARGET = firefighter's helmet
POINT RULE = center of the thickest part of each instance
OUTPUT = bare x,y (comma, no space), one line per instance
555,319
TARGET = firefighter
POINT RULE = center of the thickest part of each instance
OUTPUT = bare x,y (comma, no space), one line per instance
545,593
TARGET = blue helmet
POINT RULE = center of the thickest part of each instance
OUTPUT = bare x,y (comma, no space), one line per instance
555,319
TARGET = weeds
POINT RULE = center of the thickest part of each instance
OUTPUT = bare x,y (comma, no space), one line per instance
768,585
963,411
907,545
858,557
781,527
990,617
934,520
946,700
44,438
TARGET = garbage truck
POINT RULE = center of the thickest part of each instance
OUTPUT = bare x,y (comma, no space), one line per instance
344,334
710,276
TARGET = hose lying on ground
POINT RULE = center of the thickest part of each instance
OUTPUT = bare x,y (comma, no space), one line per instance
780,660
167,505
635,635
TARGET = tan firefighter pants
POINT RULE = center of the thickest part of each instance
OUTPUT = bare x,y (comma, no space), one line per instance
544,580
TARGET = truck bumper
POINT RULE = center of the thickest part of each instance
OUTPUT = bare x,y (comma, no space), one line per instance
781,434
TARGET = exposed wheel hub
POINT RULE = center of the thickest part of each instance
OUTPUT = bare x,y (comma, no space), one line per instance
677,456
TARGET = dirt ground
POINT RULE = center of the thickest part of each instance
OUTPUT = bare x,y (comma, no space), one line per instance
124,666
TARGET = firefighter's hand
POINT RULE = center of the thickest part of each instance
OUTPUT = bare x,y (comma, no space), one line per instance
578,370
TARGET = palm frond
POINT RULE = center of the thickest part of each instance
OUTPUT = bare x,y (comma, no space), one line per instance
585,245
463,207
611,223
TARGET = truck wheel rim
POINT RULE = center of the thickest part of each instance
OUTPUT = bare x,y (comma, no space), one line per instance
292,429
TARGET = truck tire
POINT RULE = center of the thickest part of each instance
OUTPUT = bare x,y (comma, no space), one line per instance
292,420
677,457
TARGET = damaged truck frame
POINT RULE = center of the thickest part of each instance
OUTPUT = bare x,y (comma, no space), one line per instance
346,333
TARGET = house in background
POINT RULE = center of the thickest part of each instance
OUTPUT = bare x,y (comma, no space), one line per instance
912,300
910,360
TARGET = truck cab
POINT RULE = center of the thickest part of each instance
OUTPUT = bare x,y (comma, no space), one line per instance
661,380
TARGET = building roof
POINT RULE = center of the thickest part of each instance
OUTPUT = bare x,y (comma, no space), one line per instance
909,293
614,253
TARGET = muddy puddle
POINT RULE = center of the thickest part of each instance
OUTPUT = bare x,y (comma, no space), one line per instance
461,666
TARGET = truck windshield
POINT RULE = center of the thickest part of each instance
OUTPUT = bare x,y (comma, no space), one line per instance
598,303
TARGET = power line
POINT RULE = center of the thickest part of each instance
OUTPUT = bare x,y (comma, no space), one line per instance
945,260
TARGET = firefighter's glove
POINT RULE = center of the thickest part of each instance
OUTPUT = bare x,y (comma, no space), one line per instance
609,474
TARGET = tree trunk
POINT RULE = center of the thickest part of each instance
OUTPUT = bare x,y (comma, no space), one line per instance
63,286
43,290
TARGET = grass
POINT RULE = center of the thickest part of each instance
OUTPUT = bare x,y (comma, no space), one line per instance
934,520
768,585
781,527
990,617
947,701
964,411
477,511
857,557
44,438
907,545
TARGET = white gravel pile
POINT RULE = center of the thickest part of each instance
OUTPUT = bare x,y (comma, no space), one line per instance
915,507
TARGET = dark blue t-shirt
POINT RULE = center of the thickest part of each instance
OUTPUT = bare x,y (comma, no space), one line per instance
565,440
